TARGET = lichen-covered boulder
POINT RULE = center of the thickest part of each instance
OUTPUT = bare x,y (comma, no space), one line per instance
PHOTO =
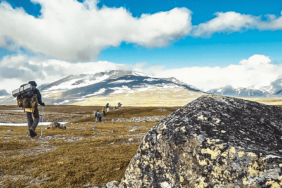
214,141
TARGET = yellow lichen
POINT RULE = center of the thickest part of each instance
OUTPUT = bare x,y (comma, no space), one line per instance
213,153
273,184
253,171
245,181
241,153
202,184
181,178
202,162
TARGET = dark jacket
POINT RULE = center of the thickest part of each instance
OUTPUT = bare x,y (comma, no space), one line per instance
39,98
36,91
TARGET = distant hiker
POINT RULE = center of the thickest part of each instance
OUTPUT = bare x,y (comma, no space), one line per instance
28,97
108,107
97,116
119,105
104,111
100,117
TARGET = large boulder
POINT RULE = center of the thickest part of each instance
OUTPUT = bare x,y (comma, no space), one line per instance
214,141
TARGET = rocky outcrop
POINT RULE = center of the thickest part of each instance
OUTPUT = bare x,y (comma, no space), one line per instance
214,141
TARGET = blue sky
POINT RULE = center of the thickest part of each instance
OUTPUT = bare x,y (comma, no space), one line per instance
207,33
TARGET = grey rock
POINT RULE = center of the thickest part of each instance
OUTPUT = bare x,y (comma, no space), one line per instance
214,141
112,184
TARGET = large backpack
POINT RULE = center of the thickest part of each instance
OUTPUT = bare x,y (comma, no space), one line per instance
26,96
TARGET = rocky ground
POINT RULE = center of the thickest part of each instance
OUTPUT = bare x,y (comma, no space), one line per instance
86,154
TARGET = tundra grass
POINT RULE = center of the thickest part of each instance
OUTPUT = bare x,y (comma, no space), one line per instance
101,156
130,112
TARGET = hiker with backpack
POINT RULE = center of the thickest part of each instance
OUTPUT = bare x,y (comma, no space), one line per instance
28,97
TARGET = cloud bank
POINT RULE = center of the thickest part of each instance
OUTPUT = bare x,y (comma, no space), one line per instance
74,31
257,70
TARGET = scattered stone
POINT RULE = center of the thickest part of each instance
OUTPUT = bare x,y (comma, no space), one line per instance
56,125
130,139
112,131
94,127
140,119
214,141
112,184
86,185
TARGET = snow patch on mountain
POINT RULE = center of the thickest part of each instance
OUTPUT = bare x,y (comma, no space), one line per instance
151,79
121,81
76,83
101,91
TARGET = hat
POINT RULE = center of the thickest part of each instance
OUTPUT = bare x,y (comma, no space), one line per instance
33,83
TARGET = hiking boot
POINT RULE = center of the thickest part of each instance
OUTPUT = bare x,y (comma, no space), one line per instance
32,132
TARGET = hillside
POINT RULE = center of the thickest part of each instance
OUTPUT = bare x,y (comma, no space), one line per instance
274,90
128,87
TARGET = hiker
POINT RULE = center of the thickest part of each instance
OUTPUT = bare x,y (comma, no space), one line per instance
32,123
104,111
100,117
97,116
108,107
119,105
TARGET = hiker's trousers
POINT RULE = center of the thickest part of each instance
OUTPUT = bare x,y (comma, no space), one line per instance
30,121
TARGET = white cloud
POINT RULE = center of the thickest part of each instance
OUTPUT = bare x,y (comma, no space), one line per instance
232,22
18,69
254,71
226,22
74,31
272,23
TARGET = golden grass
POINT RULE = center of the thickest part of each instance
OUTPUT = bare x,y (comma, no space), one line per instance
129,112
101,156
153,97
14,144
268,101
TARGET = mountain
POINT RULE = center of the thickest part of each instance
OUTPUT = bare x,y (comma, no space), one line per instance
272,90
240,92
128,87
3,93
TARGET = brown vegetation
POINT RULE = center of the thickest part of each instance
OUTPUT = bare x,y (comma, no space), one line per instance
76,156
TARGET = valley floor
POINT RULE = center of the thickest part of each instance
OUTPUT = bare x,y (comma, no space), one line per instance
267,101
85,154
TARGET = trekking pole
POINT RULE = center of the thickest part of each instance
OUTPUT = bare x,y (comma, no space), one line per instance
42,120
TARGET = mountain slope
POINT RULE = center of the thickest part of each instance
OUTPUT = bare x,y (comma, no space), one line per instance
240,92
3,92
272,90
127,87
